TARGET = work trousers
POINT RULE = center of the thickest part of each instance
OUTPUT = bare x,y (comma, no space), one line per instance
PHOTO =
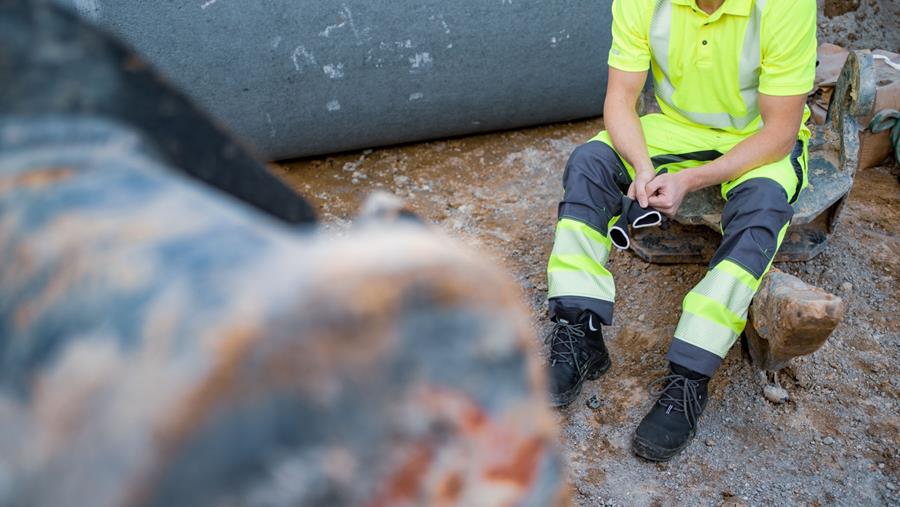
756,216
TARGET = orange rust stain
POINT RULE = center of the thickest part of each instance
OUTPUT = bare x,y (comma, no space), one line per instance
36,178
523,465
195,408
474,419
450,488
455,407
231,350
55,289
348,348
407,482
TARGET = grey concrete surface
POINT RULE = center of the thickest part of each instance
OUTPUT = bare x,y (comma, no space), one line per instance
299,78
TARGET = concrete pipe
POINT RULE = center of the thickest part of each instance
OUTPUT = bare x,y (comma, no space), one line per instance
298,78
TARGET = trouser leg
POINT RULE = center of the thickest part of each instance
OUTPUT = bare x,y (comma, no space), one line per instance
595,180
755,218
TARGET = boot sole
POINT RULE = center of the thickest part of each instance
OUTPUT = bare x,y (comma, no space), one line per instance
565,399
651,452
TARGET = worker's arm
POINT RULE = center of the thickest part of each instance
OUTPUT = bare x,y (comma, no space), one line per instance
624,127
781,116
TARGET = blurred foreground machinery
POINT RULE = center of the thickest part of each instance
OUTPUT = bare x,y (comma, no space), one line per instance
173,330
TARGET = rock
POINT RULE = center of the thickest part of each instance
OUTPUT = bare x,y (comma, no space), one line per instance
838,7
776,394
846,287
729,499
790,318
593,402
384,207
828,441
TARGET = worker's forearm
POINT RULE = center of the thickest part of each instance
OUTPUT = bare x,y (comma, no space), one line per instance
764,147
624,128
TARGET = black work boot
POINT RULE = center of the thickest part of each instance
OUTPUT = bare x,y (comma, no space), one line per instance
577,353
672,422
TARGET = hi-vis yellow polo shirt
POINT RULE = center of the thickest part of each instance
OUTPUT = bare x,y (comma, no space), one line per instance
708,69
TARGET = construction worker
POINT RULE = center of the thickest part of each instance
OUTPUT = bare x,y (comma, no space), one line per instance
731,78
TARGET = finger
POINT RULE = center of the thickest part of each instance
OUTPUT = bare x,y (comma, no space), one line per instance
631,188
654,185
641,191
659,202
662,205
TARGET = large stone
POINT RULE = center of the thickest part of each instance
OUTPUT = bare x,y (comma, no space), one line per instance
790,318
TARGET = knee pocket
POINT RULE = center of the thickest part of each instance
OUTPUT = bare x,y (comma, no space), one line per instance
759,195
597,162
752,221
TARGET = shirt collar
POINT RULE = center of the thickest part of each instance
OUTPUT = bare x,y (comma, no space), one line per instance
738,7
734,7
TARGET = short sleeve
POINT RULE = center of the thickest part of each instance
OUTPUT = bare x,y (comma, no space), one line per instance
630,36
788,48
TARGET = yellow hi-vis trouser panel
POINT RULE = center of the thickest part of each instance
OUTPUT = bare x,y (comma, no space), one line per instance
754,222
714,313
577,264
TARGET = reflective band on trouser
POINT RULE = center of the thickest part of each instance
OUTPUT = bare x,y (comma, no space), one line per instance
577,264
715,311
660,30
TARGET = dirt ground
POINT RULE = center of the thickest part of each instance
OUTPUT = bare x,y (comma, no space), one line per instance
836,443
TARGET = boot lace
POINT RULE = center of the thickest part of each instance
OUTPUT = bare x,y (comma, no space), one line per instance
563,340
679,394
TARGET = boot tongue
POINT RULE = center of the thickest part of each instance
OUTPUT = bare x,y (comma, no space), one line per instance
675,394
686,372
567,316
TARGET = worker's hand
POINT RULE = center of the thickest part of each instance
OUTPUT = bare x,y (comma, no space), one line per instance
666,192
638,188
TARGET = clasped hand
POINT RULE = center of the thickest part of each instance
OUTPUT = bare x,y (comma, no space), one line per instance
665,192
